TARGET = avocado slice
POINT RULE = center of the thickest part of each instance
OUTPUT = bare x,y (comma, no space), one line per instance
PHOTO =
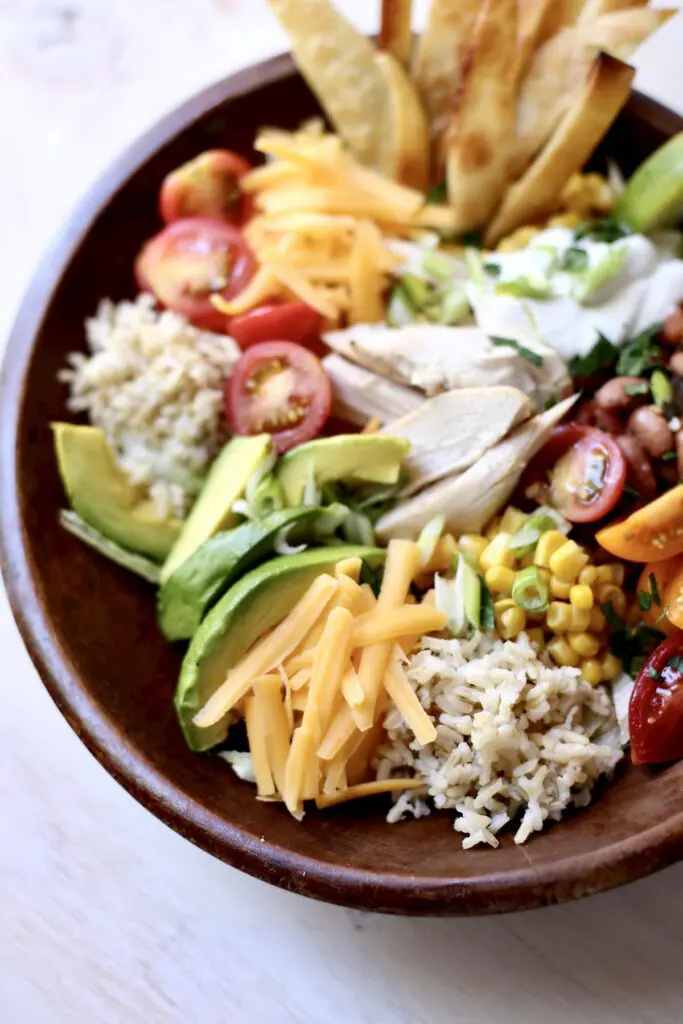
354,458
260,600
202,578
212,511
102,495
138,564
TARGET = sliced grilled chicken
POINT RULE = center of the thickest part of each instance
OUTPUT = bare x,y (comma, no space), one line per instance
359,395
470,499
434,359
451,431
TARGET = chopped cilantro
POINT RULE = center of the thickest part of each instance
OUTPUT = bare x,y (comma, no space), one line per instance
492,269
606,230
639,353
640,387
575,259
676,663
486,613
654,674
669,456
611,616
633,646
472,240
652,579
644,600
602,355
664,613
550,403
632,491
373,577
531,357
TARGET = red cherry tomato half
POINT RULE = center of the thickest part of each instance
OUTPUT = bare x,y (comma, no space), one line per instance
289,321
191,260
583,470
655,714
208,186
281,389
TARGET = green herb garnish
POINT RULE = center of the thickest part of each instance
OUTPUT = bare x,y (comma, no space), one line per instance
487,616
669,456
492,269
640,353
438,194
644,600
472,240
531,357
652,580
602,355
640,387
575,259
373,577
605,230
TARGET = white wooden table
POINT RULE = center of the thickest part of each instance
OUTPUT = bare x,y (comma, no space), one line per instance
105,915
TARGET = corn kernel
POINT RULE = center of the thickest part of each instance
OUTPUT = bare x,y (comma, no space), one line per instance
512,520
519,239
604,574
526,560
588,576
548,544
502,605
499,579
493,528
559,589
545,575
581,620
561,653
512,622
471,545
585,644
611,667
568,561
496,552
559,616
537,638
610,593
591,670
598,622
565,220
443,554
618,573
581,597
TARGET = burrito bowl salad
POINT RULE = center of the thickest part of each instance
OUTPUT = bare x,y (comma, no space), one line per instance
395,424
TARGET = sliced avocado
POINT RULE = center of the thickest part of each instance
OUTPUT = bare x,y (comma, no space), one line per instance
138,564
212,511
361,458
257,602
104,498
202,578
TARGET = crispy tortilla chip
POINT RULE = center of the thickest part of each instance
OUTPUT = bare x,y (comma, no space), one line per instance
596,8
406,157
396,30
533,196
480,134
338,62
438,63
534,18
623,32
558,72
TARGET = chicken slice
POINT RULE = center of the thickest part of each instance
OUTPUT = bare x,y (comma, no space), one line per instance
470,499
434,358
358,395
451,431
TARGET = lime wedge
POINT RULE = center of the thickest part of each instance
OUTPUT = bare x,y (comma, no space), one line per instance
653,197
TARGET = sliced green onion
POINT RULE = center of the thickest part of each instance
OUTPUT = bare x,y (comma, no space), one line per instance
430,537
358,529
267,497
330,520
529,590
527,537
438,266
459,598
399,311
282,545
416,290
525,288
662,391
455,306
600,273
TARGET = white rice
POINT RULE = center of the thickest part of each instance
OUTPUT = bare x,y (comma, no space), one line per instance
154,384
516,736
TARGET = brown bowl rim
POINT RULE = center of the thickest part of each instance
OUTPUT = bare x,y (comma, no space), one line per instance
525,888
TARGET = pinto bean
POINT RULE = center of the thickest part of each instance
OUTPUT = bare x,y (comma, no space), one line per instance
613,394
651,430
607,420
640,473
679,453
676,363
672,331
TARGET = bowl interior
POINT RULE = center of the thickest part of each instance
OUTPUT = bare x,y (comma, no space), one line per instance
91,626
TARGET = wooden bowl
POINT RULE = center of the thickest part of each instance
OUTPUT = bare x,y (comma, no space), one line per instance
90,626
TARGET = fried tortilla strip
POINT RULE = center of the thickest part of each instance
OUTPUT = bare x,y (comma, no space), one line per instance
559,69
535,17
597,8
396,30
533,196
438,63
623,32
338,62
406,158
480,135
